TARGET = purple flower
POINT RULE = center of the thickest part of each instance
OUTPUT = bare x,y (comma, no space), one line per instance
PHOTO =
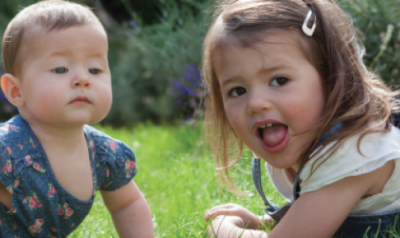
134,25
188,90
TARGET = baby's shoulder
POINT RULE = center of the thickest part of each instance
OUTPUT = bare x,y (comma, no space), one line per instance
102,143
115,161
14,128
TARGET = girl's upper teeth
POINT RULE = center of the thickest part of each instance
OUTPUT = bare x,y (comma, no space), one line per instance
268,125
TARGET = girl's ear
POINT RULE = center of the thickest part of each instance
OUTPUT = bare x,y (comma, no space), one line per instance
11,88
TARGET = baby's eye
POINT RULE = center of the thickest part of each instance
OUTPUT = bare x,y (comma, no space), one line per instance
60,70
236,92
279,81
94,71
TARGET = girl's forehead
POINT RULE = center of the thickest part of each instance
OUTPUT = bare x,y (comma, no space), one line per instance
261,43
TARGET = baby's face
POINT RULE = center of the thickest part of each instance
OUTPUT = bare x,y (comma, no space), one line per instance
65,79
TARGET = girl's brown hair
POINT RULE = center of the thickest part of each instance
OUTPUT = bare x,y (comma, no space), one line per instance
48,15
353,95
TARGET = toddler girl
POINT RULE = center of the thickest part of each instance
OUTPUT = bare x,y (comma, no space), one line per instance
57,75
286,78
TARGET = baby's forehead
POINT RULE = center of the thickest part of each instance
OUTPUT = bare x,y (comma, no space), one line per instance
37,34
38,41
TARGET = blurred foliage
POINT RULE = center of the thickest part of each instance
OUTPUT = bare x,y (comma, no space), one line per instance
377,20
145,60
149,11
155,64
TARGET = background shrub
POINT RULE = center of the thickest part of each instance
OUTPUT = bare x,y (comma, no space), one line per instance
148,62
377,20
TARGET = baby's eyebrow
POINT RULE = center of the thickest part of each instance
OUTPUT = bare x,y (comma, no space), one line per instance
59,53
97,55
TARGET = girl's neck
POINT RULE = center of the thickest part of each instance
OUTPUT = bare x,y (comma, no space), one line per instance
292,172
295,167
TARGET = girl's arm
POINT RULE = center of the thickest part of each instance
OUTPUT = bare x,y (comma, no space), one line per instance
129,211
319,213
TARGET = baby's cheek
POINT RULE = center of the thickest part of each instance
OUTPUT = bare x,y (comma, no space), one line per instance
104,101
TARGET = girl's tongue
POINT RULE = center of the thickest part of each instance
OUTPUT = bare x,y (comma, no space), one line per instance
274,134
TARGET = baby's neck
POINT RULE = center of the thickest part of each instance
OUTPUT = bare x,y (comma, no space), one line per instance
69,158
67,152
59,140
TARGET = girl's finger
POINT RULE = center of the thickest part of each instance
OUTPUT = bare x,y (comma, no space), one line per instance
220,212
224,206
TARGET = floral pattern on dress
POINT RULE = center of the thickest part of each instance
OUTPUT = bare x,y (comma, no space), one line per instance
37,227
8,168
65,210
129,167
112,145
32,143
32,201
52,191
45,208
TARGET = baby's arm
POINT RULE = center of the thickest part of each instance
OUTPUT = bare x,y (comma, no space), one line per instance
5,196
315,214
129,211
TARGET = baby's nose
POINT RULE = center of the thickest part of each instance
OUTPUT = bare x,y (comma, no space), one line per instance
81,81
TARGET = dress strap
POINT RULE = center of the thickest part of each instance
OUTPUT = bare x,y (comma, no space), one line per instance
256,172
273,210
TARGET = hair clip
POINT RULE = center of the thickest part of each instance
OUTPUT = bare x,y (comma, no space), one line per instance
309,31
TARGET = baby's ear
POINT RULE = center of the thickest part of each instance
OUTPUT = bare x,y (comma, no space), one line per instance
11,88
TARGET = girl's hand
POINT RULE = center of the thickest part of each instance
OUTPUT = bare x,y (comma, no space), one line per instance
232,227
247,218
226,226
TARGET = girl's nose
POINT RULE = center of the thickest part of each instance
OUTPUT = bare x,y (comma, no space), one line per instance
258,102
81,80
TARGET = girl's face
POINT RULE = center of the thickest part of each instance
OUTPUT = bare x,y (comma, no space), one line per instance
272,96
65,79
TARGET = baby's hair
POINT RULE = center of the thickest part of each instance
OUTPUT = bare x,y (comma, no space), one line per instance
353,95
48,15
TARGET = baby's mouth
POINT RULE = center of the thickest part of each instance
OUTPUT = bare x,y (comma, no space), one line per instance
80,100
272,133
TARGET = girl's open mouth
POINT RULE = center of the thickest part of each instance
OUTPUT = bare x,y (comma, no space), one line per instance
273,136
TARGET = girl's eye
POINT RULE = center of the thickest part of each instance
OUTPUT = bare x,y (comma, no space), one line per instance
236,92
94,71
279,81
60,70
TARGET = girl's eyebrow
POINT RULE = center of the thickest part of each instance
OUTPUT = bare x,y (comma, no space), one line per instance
272,68
227,81
263,70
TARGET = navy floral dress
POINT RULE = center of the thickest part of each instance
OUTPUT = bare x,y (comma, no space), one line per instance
40,206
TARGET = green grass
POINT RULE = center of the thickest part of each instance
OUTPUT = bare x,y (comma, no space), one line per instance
178,178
